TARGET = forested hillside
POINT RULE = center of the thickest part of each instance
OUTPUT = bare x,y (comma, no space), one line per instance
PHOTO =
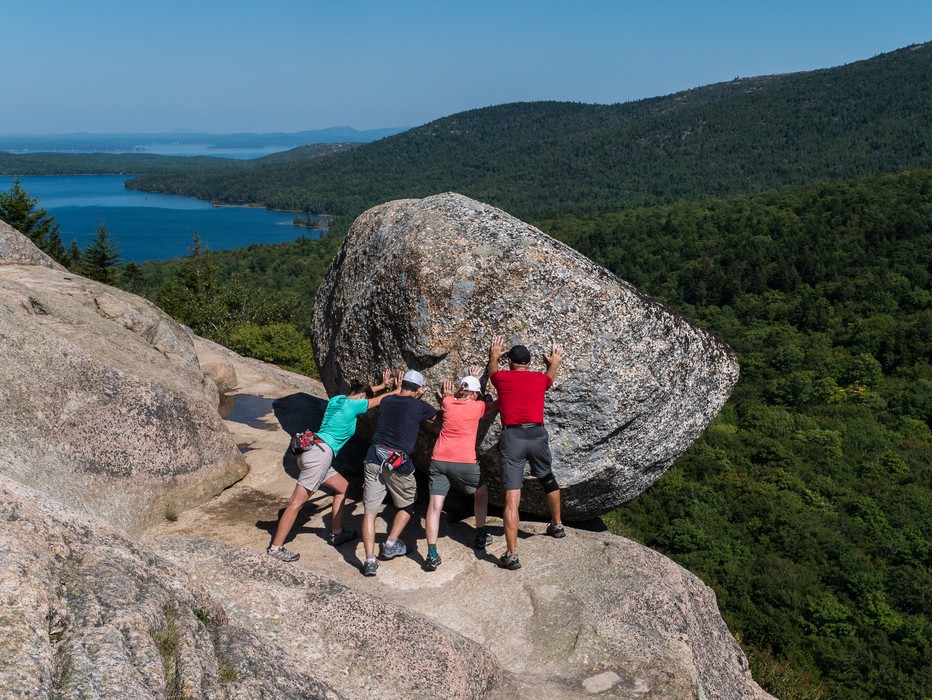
547,158
807,504
26,164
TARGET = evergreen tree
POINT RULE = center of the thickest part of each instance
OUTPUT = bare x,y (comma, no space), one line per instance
100,257
132,278
23,213
75,257
195,297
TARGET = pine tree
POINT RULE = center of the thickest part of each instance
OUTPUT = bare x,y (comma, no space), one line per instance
100,257
23,213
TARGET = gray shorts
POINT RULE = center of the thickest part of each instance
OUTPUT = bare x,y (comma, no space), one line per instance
518,445
465,475
315,465
378,481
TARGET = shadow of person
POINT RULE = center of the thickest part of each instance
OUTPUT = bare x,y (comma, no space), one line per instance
301,521
299,412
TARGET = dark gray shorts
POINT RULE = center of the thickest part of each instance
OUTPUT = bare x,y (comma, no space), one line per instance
517,446
466,475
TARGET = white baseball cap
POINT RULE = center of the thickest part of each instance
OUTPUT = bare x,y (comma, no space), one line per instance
413,376
470,383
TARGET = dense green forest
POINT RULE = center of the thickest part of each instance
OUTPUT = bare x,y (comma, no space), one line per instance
548,158
807,504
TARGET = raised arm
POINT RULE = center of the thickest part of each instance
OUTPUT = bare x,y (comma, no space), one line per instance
496,350
387,379
553,359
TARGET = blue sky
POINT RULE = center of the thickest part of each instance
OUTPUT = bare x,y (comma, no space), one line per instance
290,65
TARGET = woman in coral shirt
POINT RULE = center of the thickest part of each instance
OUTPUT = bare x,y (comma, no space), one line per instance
454,460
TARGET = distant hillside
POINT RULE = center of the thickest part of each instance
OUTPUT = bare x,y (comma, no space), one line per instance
106,154
138,142
537,159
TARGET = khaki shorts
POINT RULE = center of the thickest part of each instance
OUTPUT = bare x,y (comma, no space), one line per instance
315,465
378,481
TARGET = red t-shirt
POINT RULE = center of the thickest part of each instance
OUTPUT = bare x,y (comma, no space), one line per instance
457,439
521,395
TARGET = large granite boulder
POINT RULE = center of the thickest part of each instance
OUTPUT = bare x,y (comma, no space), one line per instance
427,283
103,403
86,613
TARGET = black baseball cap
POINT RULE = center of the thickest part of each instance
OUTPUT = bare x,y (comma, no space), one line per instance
520,355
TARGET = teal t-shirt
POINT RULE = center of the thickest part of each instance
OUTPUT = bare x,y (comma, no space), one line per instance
339,421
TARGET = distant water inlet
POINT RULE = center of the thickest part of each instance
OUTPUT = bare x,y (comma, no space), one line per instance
150,226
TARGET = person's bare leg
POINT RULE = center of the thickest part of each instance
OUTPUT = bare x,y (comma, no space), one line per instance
298,498
402,518
481,505
553,501
368,534
510,519
339,485
432,526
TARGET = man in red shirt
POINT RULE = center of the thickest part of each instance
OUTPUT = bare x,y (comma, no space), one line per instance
524,437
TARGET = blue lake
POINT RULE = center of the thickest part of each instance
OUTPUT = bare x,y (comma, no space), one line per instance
150,226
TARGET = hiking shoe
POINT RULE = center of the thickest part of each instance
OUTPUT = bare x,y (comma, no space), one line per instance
509,561
556,530
369,567
283,554
482,541
390,551
431,563
345,535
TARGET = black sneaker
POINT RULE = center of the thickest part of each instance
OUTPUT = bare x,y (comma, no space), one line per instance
369,567
345,535
431,563
509,561
482,541
556,530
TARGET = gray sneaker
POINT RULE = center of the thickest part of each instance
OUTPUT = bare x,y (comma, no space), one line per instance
399,549
283,554
345,535
556,530
369,567
482,541
509,561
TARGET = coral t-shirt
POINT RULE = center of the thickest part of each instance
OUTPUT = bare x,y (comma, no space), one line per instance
521,395
457,440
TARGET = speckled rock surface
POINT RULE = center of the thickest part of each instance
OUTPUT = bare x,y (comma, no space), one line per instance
17,249
427,283
85,613
103,403
365,646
